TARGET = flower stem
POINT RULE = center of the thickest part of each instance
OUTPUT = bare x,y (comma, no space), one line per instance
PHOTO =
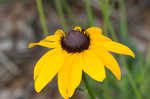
42,17
90,92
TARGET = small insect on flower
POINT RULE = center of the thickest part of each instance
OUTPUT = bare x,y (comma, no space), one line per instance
74,52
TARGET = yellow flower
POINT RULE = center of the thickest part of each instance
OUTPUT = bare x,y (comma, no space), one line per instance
79,50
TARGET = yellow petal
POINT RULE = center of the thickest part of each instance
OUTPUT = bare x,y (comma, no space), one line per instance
93,66
77,28
44,44
47,67
93,31
59,32
50,41
109,61
104,38
116,48
69,77
96,35
99,39
56,37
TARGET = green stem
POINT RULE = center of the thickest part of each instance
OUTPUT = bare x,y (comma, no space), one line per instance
146,71
110,27
89,13
42,17
104,7
148,55
123,20
69,12
132,82
90,92
59,9
123,30
107,94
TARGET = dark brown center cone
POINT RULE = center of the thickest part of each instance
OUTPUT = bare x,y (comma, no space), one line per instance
75,41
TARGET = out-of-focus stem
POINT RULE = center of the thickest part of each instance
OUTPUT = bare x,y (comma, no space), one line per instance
114,37
59,9
148,55
104,7
123,20
132,82
89,13
42,16
67,7
90,92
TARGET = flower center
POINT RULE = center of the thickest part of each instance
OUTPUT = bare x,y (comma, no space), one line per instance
75,41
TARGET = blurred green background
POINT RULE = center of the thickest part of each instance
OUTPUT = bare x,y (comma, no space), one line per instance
25,21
